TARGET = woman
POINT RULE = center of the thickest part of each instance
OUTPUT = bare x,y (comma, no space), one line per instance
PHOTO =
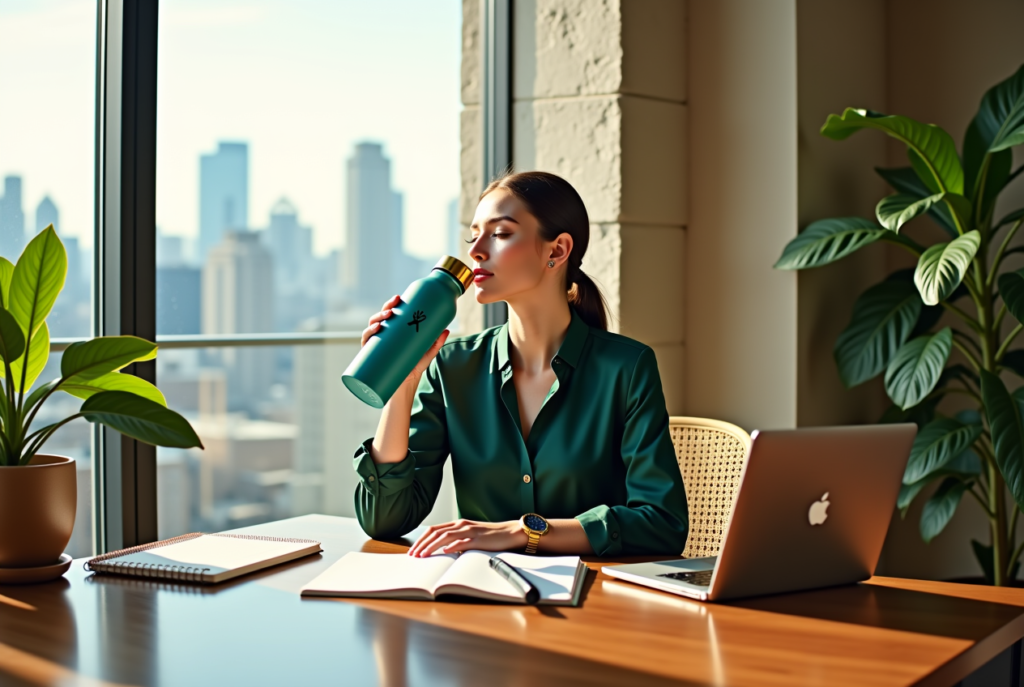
556,427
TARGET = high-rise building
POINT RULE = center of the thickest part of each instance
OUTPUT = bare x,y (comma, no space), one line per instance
291,244
12,219
47,214
238,298
178,299
373,227
223,194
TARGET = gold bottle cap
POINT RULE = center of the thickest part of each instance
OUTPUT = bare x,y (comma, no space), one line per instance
457,269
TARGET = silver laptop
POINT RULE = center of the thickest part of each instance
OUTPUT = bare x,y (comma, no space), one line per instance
812,510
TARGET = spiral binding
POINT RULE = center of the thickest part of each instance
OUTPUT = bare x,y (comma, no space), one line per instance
187,573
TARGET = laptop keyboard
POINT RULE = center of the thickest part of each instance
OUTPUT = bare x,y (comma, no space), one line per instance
701,578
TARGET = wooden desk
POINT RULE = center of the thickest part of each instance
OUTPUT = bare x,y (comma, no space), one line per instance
257,630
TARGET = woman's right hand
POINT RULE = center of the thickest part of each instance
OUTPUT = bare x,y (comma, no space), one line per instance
374,326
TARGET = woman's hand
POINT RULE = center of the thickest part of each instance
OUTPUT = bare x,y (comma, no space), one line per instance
374,326
463,535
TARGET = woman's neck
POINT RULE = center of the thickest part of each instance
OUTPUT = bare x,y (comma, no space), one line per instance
535,334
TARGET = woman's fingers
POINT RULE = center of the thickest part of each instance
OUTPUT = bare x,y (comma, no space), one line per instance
443,540
432,533
459,545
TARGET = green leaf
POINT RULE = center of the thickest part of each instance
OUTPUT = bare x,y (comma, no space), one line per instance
896,210
828,240
1011,289
930,143
915,369
936,445
1007,427
882,320
905,180
1000,118
1011,218
38,393
141,419
38,279
113,381
38,354
1014,362
6,274
998,174
941,268
939,509
100,356
12,341
965,467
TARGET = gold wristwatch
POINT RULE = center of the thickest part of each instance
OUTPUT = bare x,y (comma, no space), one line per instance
535,527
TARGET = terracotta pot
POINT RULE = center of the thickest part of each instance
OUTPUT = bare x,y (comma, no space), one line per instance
37,511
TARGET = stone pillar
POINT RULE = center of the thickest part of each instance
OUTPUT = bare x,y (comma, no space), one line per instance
599,98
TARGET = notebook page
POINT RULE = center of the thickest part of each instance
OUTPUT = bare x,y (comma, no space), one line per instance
219,554
358,572
554,577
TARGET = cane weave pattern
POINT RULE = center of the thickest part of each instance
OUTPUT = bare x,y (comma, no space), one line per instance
710,456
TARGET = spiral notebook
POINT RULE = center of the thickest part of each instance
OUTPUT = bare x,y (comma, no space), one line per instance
204,558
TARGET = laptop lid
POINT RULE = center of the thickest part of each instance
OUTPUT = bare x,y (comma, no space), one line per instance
812,509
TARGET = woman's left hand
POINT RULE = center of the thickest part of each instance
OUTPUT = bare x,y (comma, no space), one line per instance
463,535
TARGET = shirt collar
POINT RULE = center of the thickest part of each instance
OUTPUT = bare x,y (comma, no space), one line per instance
569,351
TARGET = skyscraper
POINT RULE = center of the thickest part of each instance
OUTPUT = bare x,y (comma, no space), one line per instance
238,298
373,227
223,194
12,219
47,214
291,244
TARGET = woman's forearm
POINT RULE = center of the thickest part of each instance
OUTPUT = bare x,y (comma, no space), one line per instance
391,442
566,536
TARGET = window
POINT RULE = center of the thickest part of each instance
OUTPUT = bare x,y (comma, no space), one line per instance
307,170
47,127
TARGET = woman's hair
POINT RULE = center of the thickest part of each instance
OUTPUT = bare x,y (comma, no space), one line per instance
558,208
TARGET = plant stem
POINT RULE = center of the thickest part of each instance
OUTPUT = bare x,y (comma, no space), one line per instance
998,259
1000,543
967,354
971,322
981,502
1007,341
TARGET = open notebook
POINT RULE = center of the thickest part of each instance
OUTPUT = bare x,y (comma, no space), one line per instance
207,558
559,579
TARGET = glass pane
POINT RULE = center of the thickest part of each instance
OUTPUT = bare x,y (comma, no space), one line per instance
289,455
307,168
47,131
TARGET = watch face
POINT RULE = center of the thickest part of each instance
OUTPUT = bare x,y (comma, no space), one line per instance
535,522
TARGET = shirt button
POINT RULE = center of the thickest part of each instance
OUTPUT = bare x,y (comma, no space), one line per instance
371,478
526,478
615,535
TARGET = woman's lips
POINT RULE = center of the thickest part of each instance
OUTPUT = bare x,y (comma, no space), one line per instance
479,275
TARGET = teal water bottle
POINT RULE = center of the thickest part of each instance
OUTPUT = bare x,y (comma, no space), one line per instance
426,307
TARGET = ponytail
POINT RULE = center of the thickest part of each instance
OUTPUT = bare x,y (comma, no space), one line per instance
559,209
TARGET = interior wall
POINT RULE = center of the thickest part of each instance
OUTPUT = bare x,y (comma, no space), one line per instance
741,327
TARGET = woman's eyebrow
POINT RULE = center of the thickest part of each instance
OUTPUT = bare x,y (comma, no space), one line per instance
505,218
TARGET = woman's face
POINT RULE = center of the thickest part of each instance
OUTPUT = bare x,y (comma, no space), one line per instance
508,253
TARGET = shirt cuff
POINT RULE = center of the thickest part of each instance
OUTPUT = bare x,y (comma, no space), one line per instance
386,478
602,530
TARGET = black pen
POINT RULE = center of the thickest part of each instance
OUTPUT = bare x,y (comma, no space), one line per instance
517,580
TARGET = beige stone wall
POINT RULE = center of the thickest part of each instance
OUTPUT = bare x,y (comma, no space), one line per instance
599,97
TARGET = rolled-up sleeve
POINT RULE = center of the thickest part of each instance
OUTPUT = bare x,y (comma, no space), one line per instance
654,519
392,499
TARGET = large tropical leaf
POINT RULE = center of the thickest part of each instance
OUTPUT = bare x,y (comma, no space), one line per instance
941,268
141,419
915,369
103,355
1011,288
12,340
113,381
882,320
6,275
930,146
38,279
905,180
896,210
1000,118
38,354
937,444
1012,217
965,467
996,176
939,509
1007,428
828,240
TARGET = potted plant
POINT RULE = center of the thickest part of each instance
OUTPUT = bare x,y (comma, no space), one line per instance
977,452
38,491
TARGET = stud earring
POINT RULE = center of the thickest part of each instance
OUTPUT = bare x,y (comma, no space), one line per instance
551,263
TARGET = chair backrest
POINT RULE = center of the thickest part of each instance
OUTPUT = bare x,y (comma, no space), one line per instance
710,455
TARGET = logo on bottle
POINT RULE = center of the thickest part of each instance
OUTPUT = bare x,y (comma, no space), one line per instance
417,317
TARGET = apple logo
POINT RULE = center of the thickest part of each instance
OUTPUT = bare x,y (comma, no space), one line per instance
817,513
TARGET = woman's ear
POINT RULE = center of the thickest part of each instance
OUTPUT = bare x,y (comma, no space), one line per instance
561,248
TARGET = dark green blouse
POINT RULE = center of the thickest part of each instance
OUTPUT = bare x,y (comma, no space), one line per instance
599,450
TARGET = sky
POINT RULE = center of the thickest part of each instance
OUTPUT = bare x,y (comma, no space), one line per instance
301,81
